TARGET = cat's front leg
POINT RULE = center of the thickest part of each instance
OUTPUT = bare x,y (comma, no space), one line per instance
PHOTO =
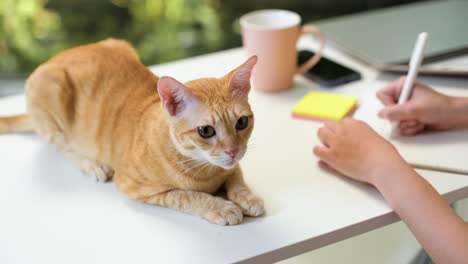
239,193
211,208
214,209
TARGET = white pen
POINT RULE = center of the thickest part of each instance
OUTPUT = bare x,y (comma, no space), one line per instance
414,64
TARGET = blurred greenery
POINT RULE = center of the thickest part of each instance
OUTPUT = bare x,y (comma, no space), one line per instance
161,30
31,31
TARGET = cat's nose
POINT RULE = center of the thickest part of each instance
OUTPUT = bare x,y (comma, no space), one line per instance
232,152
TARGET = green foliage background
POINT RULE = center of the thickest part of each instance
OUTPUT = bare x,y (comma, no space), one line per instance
31,31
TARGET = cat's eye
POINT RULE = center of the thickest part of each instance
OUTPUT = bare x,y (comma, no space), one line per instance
242,123
206,131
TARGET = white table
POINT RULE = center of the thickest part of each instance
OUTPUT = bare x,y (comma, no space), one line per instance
51,213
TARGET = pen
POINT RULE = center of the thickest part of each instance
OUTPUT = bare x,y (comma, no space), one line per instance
413,68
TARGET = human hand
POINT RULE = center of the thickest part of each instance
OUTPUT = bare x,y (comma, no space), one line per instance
355,150
426,108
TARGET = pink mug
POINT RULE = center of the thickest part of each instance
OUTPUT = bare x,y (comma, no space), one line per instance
272,35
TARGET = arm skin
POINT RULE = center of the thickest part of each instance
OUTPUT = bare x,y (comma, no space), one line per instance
355,150
459,108
442,233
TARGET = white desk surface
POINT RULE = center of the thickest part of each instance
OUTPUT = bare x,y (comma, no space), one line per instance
51,213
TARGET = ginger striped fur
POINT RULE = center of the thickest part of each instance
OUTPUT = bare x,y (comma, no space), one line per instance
117,120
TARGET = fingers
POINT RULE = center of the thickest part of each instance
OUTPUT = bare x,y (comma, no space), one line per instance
327,167
412,131
408,123
332,125
325,135
327,132
390,93
323,153
398,112
411,127
387,97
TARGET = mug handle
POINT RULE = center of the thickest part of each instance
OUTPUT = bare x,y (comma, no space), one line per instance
316,58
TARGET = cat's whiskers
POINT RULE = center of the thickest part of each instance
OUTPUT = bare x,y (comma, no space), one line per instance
248,149
206,164
190,164
249,146
189,168
187,162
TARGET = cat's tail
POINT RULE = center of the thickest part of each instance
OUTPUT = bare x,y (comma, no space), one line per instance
13,124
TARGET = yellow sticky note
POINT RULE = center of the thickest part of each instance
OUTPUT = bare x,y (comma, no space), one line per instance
318,105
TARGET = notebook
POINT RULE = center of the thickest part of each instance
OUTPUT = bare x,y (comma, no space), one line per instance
385,37
441,151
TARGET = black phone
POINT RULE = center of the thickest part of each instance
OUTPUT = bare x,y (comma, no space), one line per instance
327,72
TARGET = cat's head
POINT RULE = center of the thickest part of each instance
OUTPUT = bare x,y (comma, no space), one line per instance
210,119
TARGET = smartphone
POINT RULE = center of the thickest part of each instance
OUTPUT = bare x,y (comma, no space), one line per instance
327,72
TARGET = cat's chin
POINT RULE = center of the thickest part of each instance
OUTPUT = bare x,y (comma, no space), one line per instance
228,165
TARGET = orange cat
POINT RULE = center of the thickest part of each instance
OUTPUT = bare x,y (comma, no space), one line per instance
163,142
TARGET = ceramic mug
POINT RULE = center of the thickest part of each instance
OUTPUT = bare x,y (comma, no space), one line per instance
272,35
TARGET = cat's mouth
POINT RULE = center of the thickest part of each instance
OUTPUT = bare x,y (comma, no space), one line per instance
231,162
226,162
228,166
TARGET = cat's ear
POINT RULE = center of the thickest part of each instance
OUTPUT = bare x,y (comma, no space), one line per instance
174,95
239,82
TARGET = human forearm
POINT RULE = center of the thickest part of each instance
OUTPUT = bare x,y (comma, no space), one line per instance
459,111
440,231
354,149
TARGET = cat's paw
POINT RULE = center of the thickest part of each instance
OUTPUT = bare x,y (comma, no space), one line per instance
99,172
227,213
251,204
